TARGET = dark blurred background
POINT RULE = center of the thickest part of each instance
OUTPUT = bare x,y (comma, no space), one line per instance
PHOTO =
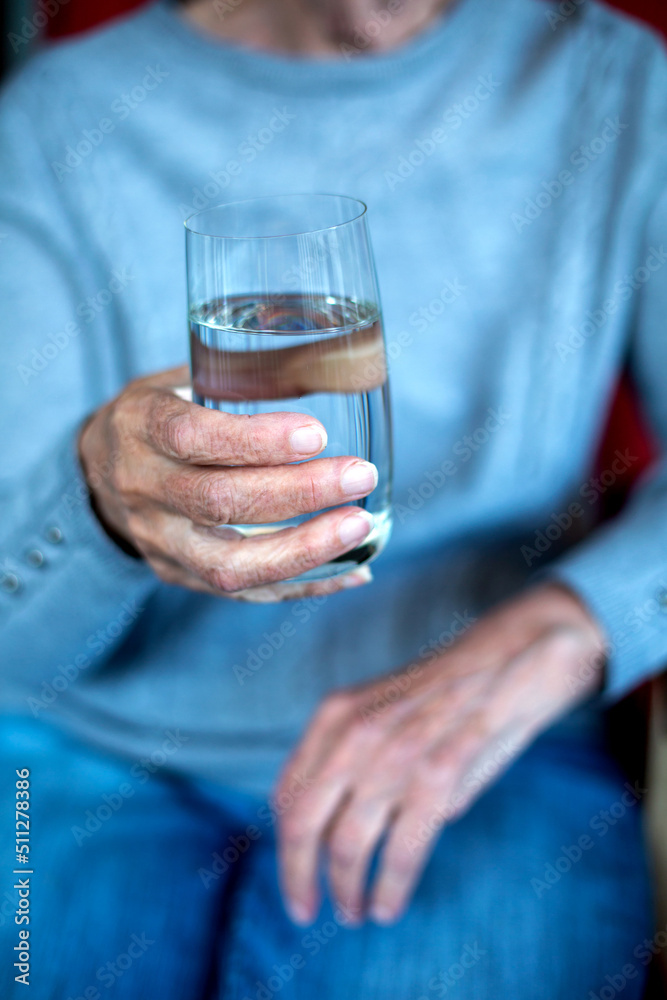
25,24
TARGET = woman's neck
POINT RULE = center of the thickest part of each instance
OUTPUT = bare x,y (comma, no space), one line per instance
315,27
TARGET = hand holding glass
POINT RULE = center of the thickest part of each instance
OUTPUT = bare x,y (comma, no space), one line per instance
285,315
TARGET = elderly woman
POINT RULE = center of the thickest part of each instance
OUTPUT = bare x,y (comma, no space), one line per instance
160,680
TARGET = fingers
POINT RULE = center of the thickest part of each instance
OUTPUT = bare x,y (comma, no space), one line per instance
300,837
328,758
440,795
266,495
171,572
353,362
409,845
349,808
437,795
296,591
352,841
241,563
331,728
300,830
375,796
187,432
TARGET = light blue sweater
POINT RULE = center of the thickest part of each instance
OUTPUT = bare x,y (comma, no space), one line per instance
514,164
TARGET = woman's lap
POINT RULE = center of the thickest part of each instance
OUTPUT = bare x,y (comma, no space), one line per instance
151,886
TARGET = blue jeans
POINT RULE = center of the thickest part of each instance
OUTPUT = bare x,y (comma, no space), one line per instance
147,884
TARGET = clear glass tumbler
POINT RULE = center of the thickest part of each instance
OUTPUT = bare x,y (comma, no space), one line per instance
285,315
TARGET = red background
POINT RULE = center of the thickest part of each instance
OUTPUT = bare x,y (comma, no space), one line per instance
78,15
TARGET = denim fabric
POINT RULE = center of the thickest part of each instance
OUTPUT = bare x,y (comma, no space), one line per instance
172,892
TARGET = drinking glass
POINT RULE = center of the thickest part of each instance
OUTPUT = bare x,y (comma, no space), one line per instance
284,315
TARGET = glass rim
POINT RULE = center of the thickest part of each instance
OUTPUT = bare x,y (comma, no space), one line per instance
274,197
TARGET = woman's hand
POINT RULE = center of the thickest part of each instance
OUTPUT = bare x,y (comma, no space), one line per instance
164,472
401,756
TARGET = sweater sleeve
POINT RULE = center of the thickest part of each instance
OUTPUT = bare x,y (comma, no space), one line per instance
67,592
620,572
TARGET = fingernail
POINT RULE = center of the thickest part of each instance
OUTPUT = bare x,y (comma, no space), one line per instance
359,479
358,578
299,912
381,914
308,440
355,527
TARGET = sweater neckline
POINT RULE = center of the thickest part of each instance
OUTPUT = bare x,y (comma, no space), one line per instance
308,73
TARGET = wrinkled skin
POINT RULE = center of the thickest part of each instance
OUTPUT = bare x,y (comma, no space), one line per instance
177,473
461,718
164,472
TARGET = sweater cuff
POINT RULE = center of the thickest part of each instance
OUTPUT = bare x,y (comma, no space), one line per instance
64,512
61,574
617,576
